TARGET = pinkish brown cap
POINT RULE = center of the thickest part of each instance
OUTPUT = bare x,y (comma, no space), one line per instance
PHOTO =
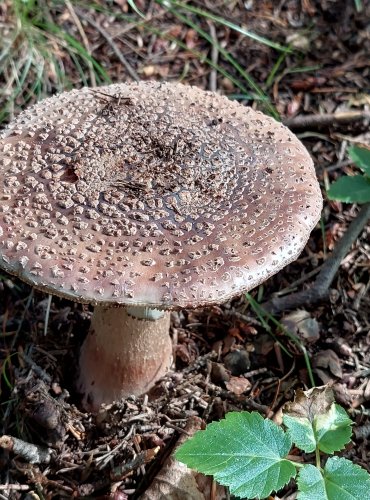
151,194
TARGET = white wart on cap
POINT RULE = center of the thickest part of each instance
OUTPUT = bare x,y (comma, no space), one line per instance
162,194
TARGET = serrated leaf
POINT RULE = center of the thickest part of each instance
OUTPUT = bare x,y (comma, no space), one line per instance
301,431
360,157
340,480
333,429
314,420
345,480
311,485
244,451
351,189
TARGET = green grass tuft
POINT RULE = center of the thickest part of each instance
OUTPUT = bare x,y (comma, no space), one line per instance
36,56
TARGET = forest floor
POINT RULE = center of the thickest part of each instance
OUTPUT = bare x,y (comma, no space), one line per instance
229,357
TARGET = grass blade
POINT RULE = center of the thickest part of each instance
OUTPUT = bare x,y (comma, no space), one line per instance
262,313
208,15
252,84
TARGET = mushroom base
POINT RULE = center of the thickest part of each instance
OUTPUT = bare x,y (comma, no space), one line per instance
122,356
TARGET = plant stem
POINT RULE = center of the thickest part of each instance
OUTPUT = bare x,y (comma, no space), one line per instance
296,464
318,461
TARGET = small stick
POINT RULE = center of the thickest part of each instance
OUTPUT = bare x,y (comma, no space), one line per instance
121,471
33,453
214,57
37,369
47,314
242,317
14,487
119,98
307,121
320,289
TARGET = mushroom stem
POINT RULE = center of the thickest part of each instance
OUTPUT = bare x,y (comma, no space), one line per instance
124,354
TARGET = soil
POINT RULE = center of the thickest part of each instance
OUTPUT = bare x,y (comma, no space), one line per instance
225,358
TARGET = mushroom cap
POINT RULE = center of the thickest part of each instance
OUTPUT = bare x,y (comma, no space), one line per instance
152,194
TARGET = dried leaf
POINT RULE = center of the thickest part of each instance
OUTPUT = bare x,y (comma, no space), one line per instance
314,421
238,385
301,323
309,404
235,332
175,481
328,360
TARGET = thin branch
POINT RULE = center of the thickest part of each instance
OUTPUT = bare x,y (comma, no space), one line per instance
47,314
320,289
308,121
14,487
37,369
214,58
33,453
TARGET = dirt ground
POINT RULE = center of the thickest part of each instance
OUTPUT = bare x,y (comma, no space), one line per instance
226,357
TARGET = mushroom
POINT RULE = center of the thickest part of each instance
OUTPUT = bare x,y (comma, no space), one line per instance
152,196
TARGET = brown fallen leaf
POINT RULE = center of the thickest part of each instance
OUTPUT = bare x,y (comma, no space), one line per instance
263,344
175,481
327,363
235,332
308,83
300,323
309,404
238,385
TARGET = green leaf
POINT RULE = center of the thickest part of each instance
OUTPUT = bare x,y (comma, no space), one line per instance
315,421
351,189
344,480
340,480
329,431
360,157
311,485
301,431
333,429
299,415
244,451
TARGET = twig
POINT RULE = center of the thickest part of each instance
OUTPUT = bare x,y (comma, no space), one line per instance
103,460
109,39
121,471
241,317
307,121
14,487
320,289
84,39
31,452
47,314
37,369
214,57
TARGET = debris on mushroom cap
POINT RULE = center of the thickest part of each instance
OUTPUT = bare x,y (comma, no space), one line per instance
151,193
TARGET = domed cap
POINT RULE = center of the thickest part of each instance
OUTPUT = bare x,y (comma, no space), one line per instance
151,193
